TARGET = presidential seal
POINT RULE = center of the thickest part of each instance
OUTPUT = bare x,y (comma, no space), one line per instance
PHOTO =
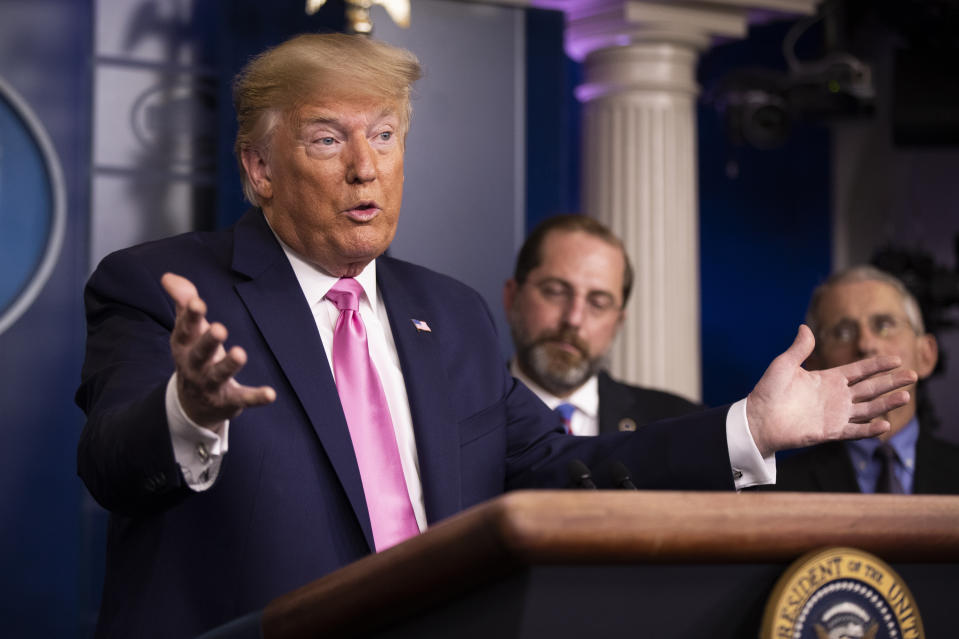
841,593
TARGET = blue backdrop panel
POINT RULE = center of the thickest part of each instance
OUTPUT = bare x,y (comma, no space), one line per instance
765,230
552,120
26,204
44,57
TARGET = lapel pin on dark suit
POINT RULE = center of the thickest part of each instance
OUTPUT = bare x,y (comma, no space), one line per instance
421,326
626,425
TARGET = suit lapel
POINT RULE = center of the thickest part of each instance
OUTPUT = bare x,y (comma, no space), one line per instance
936,467
434,423
275,300
614,403
834,471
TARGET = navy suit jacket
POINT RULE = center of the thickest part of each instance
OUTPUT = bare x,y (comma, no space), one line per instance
623,407
828,468
287,506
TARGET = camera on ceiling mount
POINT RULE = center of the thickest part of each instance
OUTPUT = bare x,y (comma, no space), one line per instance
759,106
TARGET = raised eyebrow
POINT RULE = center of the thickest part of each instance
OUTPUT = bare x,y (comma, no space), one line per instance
554,280
601,293
844,323
319,121
334,123
386,114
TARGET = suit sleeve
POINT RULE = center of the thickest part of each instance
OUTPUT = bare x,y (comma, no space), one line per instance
684,453
125,456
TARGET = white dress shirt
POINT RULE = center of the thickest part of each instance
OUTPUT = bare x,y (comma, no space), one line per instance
585,421
749,468
199,450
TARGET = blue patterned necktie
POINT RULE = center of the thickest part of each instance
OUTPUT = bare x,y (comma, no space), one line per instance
888,481
565,412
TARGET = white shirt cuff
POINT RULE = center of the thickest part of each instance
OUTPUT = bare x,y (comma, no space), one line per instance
198,451
749,467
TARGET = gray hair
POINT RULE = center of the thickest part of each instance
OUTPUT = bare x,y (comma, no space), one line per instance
865,273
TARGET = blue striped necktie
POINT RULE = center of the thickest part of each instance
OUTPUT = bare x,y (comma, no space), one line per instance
888,481
565,412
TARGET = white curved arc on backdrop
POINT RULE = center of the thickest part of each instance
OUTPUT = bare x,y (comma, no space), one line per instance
58,223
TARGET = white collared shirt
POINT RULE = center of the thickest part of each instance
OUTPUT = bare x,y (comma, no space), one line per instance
749,468
199,451
315,284
585,421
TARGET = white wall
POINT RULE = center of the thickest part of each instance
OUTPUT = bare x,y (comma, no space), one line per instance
464,202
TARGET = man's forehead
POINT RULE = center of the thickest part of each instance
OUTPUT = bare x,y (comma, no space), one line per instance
556,246
867,297
581,259
343,109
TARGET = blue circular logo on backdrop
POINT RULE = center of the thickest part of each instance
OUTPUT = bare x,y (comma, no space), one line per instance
32,208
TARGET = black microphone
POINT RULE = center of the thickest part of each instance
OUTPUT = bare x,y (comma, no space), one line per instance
579,475
620,476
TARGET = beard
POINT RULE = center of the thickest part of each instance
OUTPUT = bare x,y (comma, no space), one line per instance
552,366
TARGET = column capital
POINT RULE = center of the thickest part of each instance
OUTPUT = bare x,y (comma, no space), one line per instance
592,25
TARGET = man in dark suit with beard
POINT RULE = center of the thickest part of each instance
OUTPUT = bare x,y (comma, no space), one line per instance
565,304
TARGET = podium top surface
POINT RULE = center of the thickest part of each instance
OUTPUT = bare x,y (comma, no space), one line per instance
615,527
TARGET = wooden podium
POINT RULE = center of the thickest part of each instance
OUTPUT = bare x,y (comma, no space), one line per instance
621,563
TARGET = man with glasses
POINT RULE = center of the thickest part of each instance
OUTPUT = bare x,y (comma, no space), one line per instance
859,313
565,303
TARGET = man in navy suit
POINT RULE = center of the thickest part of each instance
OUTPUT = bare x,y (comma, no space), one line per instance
231,473
565,303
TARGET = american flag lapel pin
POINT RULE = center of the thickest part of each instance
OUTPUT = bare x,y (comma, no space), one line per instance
421,326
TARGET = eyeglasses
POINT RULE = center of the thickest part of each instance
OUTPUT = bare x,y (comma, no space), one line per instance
883,326
561,294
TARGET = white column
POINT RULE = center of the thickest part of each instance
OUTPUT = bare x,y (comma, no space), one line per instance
639,178
639,161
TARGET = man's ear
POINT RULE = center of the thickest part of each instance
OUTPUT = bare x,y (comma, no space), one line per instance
927,354
621,318
258,172
509,294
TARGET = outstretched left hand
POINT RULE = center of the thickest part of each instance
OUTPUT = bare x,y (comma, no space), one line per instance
791,407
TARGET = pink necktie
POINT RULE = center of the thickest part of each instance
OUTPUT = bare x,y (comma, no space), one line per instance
368,417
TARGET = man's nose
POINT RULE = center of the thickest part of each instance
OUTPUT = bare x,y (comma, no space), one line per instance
575,311
361,164
868,342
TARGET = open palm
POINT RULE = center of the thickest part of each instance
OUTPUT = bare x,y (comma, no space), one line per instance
791,407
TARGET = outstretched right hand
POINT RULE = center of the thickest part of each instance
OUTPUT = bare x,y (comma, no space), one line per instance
205,370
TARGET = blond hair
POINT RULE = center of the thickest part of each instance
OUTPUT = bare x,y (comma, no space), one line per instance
275,83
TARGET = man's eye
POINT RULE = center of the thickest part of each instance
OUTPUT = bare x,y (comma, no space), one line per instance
844,333
385,136
327,141
600,302
552,291
884,326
